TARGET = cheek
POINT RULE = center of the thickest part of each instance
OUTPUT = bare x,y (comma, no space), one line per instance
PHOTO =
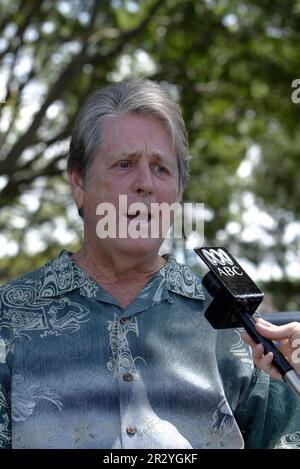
169,193
100,191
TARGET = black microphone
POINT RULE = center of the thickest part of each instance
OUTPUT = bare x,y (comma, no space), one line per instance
235,300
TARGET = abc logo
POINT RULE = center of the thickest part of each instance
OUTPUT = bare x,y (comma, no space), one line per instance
222,261
217,257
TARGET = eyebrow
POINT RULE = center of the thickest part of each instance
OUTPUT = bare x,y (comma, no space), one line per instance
128,155
157,155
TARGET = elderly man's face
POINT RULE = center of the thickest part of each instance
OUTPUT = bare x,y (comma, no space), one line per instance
136,159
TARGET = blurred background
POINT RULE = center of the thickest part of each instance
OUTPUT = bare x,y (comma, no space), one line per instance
231,66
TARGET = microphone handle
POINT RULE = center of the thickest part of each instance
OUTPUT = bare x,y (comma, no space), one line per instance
279,361
286,370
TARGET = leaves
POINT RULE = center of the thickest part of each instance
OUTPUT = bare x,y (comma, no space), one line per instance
229,64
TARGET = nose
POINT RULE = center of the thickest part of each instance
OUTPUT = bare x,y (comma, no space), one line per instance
144,178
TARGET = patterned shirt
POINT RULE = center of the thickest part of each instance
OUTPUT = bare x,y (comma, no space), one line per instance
77,370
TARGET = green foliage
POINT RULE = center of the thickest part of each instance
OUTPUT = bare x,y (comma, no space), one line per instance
230,64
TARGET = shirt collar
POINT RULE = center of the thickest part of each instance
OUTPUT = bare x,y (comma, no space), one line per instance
181,279
63,275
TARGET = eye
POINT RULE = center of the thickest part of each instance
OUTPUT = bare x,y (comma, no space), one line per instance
125,164
160,169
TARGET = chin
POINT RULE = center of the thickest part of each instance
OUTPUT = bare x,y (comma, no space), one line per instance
139,246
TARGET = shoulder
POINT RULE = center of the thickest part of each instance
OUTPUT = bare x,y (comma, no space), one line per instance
27,281
16,297
24,289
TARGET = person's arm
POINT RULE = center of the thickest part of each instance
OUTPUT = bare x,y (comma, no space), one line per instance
270,416
5,379
5,423
266,409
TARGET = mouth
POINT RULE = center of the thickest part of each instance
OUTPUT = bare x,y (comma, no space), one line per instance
139,216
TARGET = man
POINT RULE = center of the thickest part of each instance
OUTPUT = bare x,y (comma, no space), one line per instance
109,347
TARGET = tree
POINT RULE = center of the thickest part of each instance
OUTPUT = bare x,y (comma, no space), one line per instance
229,64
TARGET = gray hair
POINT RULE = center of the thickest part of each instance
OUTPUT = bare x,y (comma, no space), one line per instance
138,96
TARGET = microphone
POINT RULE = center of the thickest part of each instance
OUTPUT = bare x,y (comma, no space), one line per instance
235,300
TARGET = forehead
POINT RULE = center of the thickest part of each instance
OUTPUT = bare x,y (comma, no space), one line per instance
128,131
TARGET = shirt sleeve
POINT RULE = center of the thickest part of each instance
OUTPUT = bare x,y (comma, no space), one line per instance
5,378
267,410
270,415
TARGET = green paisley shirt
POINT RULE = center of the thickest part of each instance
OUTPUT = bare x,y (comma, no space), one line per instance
79,371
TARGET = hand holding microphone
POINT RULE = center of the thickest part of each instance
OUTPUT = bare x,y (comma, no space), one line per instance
288,339
235,299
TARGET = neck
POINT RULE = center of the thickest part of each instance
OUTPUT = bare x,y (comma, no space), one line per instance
119,269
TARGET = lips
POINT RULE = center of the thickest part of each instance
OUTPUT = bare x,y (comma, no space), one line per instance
140,216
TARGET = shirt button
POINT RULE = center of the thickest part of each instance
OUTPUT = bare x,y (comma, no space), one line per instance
124,320
127,377
130,430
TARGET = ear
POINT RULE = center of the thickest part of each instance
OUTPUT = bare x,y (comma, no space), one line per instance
77,186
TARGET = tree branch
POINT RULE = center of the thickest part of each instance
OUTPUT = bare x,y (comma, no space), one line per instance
35,4
127,35
68,74
18,183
